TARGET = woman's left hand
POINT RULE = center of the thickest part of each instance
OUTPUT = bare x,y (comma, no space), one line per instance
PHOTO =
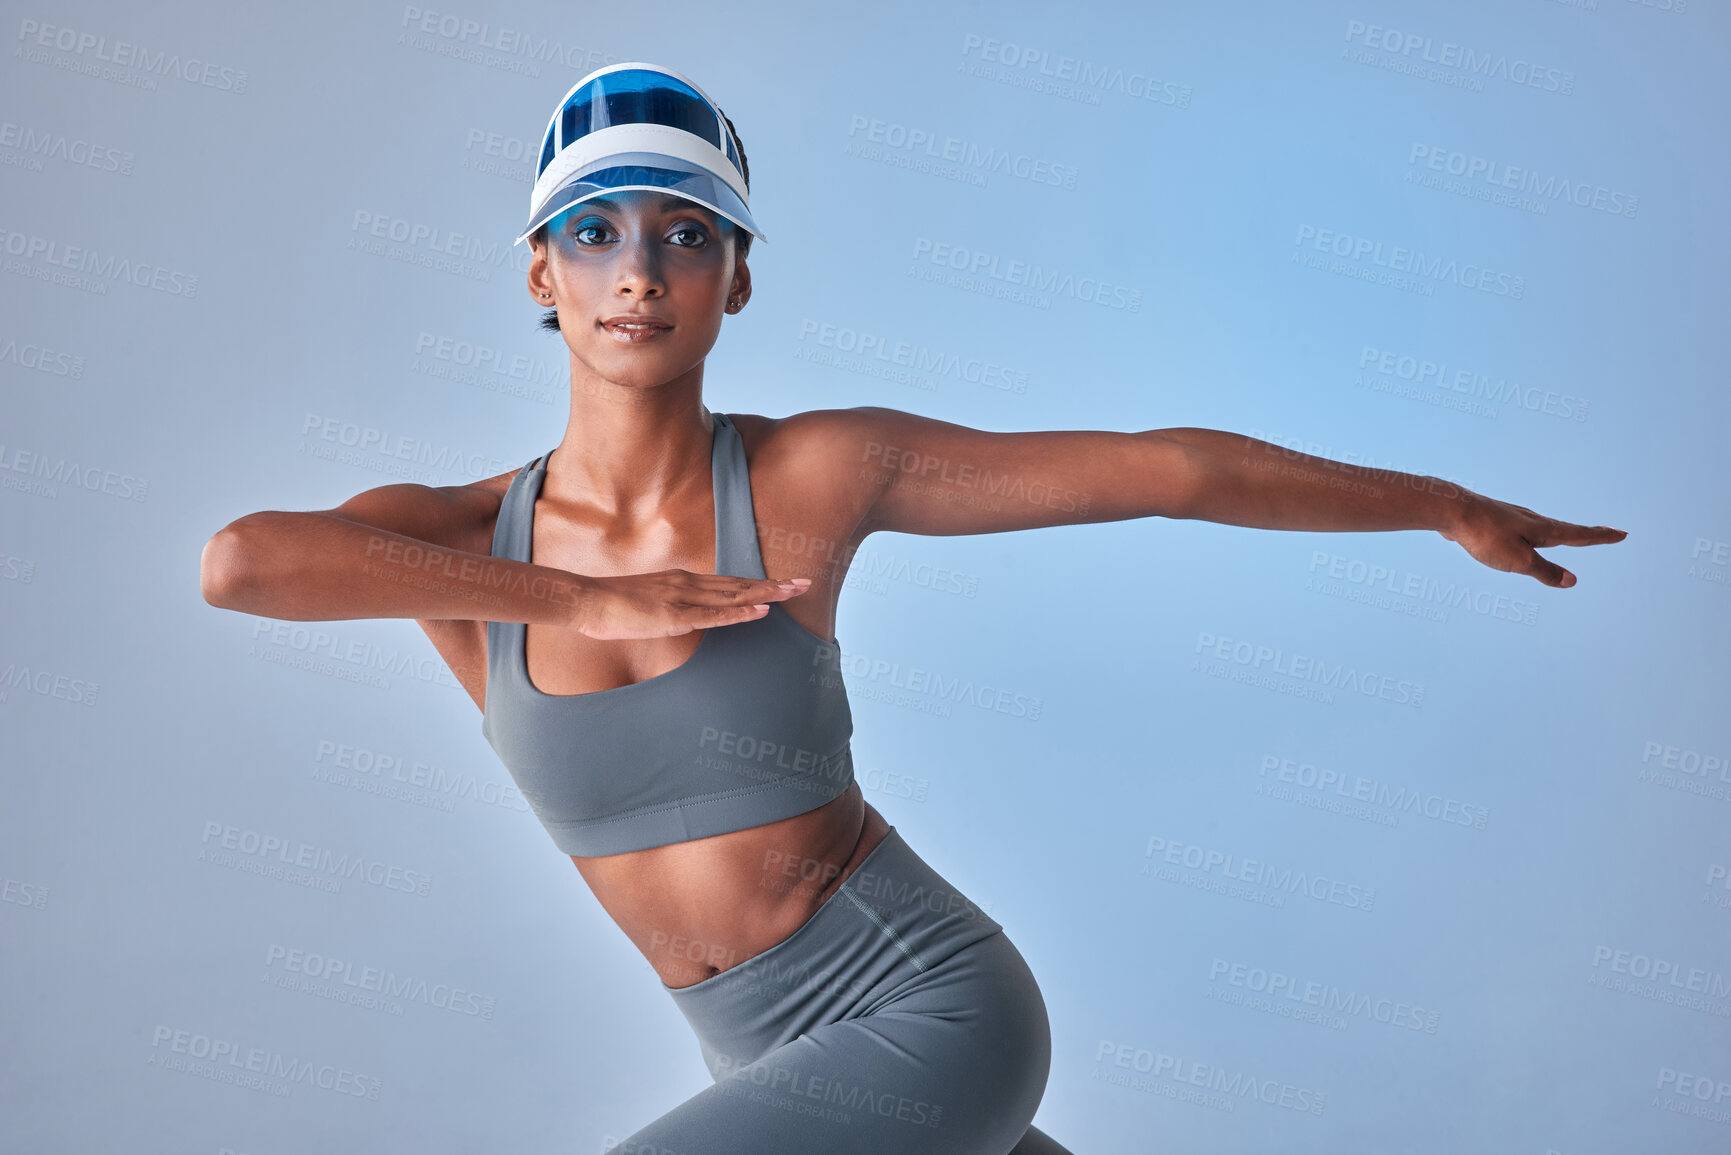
1507,537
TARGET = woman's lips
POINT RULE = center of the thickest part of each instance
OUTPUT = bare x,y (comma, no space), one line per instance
635,330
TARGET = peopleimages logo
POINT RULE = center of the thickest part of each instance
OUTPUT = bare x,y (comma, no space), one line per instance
1694,980
1328,996
1085,75
1412,261
1358,788
1309,668
400,447
58,146
93,50
976,263
1413,48
228,1061
105,266
1232,1087
1328,570
433,247
1422,371
46,683
1498,176
930,145
341,980
1208,860
919,358
44,473
518,49
223,844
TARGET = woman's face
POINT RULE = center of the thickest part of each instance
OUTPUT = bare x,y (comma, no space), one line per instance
639,255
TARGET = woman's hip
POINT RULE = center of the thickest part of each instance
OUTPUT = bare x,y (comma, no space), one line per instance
895,935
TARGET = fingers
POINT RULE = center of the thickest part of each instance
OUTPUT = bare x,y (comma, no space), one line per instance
723,587
1593,535
1568,533
1564,533
723,600
729,615
1549,571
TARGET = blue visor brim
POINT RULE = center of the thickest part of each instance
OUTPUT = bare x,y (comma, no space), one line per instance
648,171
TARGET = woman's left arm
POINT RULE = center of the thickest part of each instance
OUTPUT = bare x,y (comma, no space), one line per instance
935,477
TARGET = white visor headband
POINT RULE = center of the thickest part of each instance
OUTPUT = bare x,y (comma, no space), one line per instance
638,126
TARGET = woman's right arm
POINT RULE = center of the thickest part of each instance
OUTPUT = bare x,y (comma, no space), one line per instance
398,551
416,551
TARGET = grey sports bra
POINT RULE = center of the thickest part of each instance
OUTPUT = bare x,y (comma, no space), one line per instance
752,728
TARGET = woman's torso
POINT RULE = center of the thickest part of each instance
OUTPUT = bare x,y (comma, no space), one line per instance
695,908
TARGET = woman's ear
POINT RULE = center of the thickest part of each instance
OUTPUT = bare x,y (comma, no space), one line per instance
540,273
740,289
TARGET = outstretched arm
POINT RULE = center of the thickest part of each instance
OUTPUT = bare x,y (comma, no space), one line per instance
935,477
1243,481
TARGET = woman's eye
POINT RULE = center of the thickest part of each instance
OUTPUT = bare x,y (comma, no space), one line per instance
694,237
580,231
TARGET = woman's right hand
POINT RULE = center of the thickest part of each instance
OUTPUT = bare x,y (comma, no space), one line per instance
673,601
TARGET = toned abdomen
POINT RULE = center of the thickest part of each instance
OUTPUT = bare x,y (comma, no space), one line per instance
701,907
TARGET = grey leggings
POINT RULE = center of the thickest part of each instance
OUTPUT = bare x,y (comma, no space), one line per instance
898,1018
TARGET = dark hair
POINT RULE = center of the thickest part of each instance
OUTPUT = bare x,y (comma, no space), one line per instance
741,238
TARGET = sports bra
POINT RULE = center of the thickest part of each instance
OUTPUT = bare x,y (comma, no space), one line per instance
752,728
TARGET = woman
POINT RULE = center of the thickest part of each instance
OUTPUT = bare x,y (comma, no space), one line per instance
678,719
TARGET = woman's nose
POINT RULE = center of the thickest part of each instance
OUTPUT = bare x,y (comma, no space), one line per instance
639,265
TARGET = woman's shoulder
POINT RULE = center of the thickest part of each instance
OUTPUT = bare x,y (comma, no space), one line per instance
458,516
816,468
813,432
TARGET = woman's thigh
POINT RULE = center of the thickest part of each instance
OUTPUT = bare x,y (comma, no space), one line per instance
955,1061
